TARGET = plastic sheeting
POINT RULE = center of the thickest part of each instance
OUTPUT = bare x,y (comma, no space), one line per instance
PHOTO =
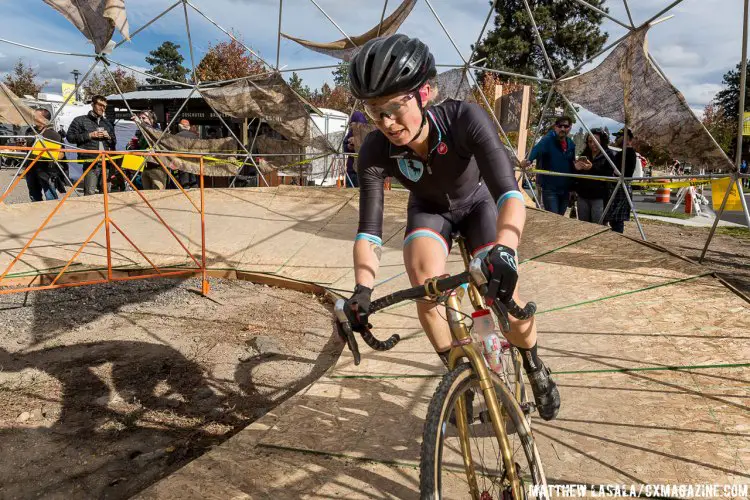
345,49
96,19
628,87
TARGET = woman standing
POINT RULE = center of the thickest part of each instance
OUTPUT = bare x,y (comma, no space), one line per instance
592,193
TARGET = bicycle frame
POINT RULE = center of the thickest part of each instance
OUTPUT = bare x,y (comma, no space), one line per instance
464,347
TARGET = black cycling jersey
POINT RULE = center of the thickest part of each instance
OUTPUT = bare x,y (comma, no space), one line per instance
464,150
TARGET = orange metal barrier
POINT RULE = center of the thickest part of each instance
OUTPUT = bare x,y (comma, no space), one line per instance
105,157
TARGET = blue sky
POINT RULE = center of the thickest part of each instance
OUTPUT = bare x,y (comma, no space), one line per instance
695,48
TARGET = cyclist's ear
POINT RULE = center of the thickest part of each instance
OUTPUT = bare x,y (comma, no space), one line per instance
424,93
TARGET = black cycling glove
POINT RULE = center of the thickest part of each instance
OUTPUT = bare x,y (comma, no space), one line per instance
358,308
502,274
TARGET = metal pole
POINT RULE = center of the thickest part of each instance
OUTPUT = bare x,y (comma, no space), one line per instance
334,22
584,63
106,216
716,223
509,73
47,51
600,11
630,17
484,27
171,122
328,66
539,39
741,192
75,91
228,34
278,38
741,110
667,8
538,128
382,16
486,101
231,184
205,284
147,75
190,43
133,34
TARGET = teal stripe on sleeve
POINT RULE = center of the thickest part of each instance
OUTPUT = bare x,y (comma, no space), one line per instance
510,194
369,237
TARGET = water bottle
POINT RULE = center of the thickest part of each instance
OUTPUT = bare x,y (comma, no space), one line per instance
485,334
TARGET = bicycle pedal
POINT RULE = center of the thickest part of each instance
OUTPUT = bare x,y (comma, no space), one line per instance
484,417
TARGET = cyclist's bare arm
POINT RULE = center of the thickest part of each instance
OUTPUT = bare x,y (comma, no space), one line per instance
510,222
366,262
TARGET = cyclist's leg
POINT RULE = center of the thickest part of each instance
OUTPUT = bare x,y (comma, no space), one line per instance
426,247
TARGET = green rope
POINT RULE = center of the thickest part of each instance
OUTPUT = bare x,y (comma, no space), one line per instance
652,287
565,246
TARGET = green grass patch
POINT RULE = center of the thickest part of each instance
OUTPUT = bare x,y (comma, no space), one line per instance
673,215
735,232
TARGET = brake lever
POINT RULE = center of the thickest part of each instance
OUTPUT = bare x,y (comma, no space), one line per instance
345,330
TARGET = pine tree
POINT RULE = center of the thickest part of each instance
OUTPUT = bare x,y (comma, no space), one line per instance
166,62
728,99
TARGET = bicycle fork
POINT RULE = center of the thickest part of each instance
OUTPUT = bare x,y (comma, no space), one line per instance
465,348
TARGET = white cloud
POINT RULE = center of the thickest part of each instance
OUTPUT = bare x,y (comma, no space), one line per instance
676,56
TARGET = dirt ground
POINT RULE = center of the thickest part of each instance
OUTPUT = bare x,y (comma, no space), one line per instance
106,389
728,255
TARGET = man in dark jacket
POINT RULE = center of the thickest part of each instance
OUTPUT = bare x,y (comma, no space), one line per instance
93,132
556,153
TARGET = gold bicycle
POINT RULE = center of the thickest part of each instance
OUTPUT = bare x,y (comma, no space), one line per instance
477,439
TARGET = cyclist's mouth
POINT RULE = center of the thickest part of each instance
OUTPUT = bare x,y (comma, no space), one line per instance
396,135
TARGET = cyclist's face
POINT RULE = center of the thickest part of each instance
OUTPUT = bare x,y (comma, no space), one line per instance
398,117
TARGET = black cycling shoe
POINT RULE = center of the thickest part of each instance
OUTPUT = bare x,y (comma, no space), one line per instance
546,395
469,401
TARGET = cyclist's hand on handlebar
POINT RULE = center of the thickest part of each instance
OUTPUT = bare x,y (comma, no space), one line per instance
502,274
357,308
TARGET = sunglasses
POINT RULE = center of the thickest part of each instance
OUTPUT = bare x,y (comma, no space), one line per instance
562,126
392,110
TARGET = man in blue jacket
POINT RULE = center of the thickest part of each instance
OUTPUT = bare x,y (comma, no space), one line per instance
556,153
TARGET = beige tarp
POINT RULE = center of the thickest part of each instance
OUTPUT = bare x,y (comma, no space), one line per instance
627,84
226,168
20,114
268,97
96,19
344,49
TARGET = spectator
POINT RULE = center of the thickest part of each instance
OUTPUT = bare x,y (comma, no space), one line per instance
592,192
43,180
744,170
93,132
154,176
556,153
619,212
351,162
186,179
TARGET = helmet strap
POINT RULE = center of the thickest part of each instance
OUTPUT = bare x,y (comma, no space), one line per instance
418,96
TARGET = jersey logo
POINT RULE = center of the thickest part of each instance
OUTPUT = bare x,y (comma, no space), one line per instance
412,169
442,148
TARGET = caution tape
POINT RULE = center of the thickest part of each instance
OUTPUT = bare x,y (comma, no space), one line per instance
644,183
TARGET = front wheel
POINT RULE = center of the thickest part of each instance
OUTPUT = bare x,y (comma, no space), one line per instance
452,467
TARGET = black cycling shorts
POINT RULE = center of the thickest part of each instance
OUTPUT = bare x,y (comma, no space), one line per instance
476,221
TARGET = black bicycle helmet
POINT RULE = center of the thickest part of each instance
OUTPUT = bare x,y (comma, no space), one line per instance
390,65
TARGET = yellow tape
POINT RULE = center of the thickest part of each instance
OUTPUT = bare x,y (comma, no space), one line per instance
673,184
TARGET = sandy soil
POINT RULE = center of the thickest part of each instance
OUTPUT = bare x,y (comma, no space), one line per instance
106,389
